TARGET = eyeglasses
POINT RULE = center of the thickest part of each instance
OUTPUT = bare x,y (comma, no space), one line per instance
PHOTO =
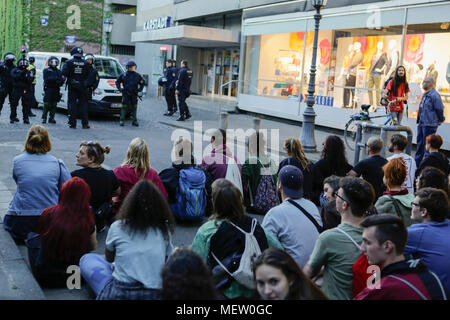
335,194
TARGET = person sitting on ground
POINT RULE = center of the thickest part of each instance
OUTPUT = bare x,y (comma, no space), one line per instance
296,222
296,157
183,159
371,169
138,244
384,239
328,213
102,183
396,199
39,177
434,158
136,167
65,232
223,239
337,249
397,145
186,277
429,239
278,277
259,177
216,163
431,177
333,162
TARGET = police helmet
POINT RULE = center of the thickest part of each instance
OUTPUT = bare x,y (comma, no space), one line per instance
89,56
9,56
77,52
53,61
23,63
130,64
31,59
162,81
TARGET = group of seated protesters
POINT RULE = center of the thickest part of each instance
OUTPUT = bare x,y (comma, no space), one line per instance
378,230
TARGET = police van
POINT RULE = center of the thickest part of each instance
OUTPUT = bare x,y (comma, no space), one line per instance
105,100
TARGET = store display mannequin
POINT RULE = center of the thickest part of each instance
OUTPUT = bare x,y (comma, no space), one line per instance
350,80
432,72
394,59
347,61
377,69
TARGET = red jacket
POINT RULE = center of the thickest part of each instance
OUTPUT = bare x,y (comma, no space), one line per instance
393,287
128,178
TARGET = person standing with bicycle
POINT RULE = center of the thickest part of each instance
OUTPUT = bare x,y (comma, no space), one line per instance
397,90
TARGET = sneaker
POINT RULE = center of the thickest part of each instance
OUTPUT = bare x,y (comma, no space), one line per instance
181,118
52,121
26,121
135,123
122,123
86,126
44,121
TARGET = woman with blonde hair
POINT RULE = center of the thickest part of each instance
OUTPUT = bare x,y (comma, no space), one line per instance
39,177
296,157
136,167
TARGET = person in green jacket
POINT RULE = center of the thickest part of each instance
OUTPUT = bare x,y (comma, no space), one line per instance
228,206
396,200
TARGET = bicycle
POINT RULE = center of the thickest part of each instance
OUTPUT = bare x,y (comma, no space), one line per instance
364,116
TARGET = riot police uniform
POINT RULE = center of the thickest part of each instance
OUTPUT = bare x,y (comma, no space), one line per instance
53,80
183,87
76,71
130,84
6,82
22,83
170,74
93,78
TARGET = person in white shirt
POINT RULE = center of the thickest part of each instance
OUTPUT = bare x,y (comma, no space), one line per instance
296,222
397,145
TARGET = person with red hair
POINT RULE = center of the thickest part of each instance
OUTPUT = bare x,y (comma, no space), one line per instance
396,200
67,231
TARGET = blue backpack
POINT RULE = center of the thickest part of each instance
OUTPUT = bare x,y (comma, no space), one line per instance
191,195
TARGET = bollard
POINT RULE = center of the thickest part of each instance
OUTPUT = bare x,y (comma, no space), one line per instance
257,124
223,121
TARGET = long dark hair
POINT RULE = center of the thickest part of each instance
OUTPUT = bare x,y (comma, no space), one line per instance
334,154
145,207
66,228
186,277
397,81
302,287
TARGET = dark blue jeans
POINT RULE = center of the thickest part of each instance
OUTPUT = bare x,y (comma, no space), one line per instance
422,133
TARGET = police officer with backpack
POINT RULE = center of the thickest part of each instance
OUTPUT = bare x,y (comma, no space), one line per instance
130,84
183,90
93,78
6,81
22,83
53,80
76,70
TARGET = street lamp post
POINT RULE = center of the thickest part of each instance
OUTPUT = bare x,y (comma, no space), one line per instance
107,26
307,138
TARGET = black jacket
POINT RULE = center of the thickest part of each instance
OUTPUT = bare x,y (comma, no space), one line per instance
184,81
76,71
130,84
6,80
22,79
53,80
171,76
434,159
93,79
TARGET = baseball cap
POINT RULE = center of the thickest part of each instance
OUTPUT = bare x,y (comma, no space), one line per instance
291,179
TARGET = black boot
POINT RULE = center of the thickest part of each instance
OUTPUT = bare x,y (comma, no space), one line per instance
181,118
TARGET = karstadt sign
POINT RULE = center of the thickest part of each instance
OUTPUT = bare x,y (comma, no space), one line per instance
158,23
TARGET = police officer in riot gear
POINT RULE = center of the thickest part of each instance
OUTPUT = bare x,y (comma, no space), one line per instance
131,85
76,70
22,83
32,68
53,80
170,74
6,81
183,90
93,78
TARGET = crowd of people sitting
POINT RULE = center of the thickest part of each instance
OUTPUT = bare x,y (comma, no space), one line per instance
376,230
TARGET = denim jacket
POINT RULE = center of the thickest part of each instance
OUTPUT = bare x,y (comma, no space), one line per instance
431,110
38,178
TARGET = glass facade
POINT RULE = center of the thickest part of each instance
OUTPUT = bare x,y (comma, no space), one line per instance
352,63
